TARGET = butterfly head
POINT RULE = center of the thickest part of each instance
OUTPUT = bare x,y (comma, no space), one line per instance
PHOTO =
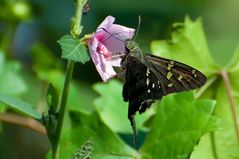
130,46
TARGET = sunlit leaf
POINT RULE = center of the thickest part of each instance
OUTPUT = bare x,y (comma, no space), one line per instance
113,110
178,125
227,135
204,149
188,45
233,64
225,140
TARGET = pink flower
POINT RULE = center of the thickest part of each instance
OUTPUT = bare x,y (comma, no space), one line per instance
106,44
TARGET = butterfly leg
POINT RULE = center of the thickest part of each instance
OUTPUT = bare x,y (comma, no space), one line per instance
121,74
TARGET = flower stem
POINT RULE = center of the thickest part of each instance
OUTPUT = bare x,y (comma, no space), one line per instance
231,101
213,145
76,20
75,32
62,108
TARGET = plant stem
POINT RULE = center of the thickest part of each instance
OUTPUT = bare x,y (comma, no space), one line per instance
231,101
212,134
76,26
62,108
75,32
206,86
213,144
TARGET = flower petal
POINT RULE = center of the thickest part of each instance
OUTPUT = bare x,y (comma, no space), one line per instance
103,67
108,21
107,45
113,35
116,43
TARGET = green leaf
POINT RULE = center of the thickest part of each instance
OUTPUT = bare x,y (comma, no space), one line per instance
106,144
227,136
225,140
204,149
113,110
20,106
72,49
188,45
178,125
11,82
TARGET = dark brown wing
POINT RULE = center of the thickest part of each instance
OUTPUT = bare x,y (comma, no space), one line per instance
141,88
174,76
141,85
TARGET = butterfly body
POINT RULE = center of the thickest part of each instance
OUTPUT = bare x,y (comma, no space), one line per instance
148,78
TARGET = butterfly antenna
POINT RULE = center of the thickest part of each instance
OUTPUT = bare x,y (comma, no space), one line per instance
132,121
139,22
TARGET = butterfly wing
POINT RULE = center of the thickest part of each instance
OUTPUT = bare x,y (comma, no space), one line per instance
141,88
149,79
174,76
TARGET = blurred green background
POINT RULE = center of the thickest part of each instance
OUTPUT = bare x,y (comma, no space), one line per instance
27,23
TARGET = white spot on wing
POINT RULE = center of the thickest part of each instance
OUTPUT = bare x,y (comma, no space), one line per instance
148,72
153,85
147,81
169,67
170,85
169,75
180,77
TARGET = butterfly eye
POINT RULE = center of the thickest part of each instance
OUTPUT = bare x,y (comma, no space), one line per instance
130,45
127,49
127,46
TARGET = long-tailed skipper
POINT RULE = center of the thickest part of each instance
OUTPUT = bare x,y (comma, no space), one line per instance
148,78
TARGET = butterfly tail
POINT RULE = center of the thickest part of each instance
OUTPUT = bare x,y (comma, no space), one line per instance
132,122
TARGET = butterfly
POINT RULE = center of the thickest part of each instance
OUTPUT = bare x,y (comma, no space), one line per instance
148,78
